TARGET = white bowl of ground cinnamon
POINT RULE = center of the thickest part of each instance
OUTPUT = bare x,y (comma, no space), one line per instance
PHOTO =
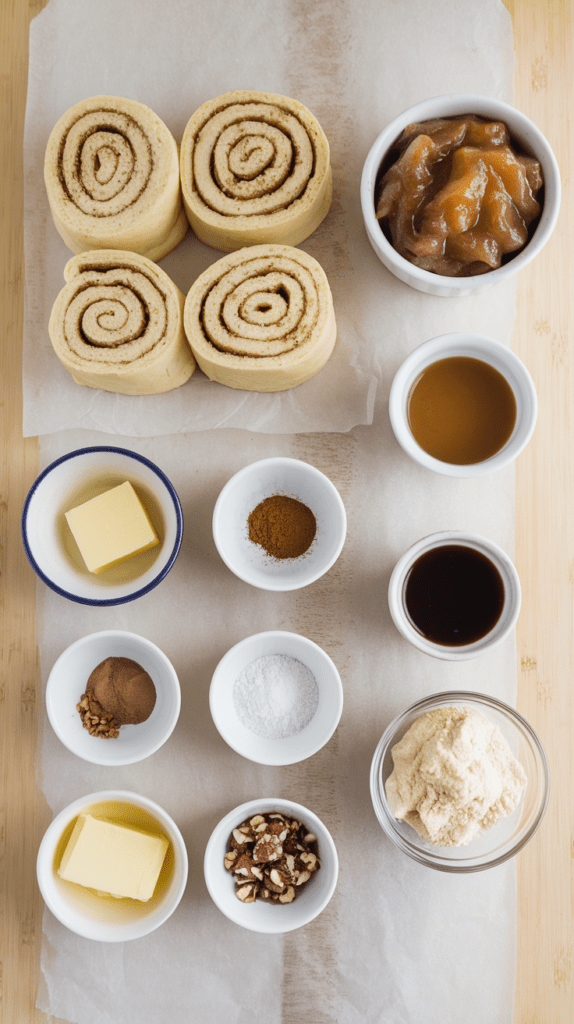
279,524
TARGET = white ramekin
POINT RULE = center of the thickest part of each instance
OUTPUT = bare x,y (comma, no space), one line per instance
474,346
270,918
250,486
527,135
80,909
510,609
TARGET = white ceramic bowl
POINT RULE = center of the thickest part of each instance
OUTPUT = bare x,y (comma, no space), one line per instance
67,682
510,609
509,835
83,911
530,139
47,537
264,917
247,489
293,748
475,346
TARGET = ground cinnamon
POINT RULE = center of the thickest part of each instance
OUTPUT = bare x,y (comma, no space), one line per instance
284,527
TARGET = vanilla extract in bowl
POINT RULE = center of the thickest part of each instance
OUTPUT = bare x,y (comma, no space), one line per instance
454,595
461,410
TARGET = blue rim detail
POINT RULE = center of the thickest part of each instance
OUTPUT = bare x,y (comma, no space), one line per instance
104,602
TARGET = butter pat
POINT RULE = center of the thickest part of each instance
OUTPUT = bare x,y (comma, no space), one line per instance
111,527
113,858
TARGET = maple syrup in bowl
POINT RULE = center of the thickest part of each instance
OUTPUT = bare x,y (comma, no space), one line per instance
463,405
454,595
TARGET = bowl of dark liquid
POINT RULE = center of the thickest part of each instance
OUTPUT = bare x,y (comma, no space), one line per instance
454,595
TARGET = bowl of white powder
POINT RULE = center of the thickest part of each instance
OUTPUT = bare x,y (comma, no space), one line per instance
459,781
276,698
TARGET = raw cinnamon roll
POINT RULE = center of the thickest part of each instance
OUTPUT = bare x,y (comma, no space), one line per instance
261,319
117,325
112,176
254,168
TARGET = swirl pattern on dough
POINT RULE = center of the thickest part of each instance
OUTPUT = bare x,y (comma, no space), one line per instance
254,168
117,325
261,319
112,176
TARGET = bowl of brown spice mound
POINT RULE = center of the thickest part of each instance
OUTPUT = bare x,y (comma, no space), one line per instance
279,524
113,698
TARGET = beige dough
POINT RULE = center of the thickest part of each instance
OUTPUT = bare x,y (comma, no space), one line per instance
454,776
117,325
261,319
254,169
112,176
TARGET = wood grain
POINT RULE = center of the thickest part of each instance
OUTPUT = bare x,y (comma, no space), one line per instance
544,548
543,35
20,905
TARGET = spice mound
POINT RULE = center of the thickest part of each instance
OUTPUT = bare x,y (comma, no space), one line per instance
459,196
271,857
284,527
454,776
275,696
118,692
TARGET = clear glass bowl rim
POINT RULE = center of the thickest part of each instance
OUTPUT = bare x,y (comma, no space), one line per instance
387,820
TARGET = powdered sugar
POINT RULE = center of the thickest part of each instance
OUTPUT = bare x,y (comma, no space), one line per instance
275,696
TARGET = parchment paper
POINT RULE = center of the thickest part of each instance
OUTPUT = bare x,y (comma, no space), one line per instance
355,66
399,943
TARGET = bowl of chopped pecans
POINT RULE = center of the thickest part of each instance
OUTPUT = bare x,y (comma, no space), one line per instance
271,865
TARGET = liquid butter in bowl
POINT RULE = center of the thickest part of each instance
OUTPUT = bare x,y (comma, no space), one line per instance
133,884
102,526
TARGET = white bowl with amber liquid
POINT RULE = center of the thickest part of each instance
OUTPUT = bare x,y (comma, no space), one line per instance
525,135
469,346
75,478
98,915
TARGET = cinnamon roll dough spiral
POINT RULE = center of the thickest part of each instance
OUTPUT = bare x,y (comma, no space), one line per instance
254,168
118,325
112,176
261,319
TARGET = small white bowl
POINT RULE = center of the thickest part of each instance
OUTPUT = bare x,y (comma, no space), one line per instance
510,608
264,917
67,682
92,916
293,748
530,139
46,535
247,489
474,346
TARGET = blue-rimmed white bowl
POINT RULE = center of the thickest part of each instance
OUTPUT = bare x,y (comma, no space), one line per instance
74,478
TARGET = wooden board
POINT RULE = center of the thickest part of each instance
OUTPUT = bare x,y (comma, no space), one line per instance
544,548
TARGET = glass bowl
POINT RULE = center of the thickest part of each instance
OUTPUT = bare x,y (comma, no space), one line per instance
509,835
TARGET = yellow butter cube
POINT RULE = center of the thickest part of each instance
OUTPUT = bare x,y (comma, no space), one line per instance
113,858
111,527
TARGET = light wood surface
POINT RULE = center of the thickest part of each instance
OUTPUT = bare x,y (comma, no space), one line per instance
544,548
